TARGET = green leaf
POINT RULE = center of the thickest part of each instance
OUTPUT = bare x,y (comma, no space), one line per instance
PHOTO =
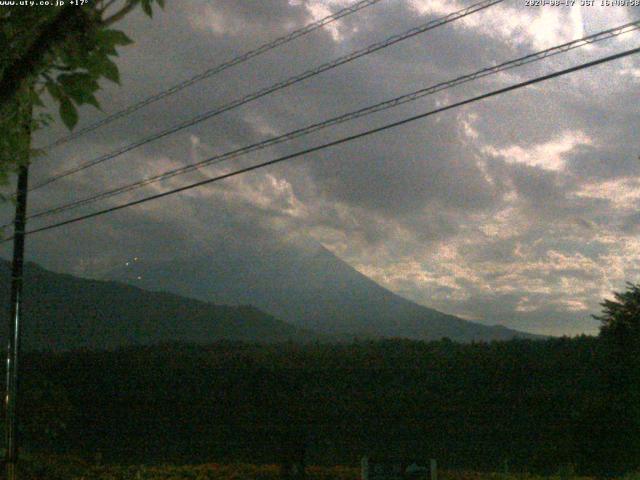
92,100
110,71
100,65
78,86
109,49
54,90
110,38
68,113
146,7
161,3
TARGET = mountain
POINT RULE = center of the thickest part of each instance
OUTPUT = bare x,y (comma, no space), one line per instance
307,286
64,312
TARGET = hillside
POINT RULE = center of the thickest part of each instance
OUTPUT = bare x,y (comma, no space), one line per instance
66,312
308,287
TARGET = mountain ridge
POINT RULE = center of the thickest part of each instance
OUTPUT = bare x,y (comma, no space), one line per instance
64,312
306,286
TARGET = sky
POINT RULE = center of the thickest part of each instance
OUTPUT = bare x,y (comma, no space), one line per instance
520,210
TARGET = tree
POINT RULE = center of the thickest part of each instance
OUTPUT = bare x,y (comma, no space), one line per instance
614,421
620,319
63,52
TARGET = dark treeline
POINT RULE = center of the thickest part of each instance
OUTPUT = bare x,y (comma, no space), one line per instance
522,404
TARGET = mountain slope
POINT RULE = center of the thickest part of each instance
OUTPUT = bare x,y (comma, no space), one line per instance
306,286
65,312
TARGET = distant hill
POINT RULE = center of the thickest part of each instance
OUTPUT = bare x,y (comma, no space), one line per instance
65,312
306,286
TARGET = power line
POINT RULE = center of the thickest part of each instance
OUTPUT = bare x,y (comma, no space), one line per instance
540,55
278,86
217,69
339,141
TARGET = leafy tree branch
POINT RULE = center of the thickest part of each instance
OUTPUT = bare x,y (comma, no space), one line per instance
62,52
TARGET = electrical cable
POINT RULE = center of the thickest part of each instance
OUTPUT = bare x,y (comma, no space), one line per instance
273,88
215,70
413,96
337,142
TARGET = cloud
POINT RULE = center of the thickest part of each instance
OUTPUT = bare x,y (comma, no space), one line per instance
517,210
548,155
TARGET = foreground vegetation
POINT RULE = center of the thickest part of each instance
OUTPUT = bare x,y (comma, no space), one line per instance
47,467
521,405
72,468
532,405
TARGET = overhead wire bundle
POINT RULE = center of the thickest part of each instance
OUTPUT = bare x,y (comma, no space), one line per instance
540,55
385,105
311,27
342,140
425,27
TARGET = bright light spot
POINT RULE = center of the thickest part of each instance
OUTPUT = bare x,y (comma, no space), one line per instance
541,29
468,126
621,192
211,19
318,11
548,156
631,72
575,305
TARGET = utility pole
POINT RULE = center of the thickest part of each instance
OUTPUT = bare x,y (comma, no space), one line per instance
15,308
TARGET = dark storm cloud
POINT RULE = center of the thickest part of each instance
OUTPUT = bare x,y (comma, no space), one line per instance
405,170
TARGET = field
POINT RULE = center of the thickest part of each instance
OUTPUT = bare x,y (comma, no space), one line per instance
70,468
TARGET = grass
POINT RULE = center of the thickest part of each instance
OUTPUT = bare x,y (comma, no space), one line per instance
72,468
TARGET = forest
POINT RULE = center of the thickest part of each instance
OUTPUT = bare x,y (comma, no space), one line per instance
520,405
